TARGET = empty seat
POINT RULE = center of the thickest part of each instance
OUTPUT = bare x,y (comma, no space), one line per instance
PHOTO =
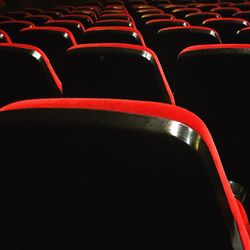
4,37
18,14
168,8
53,13
243,14
225,11
62,9
53,41
171,41
112,34
110,173
6,18
84,19
113,22
115,16
89,13
226,27
199,17
33,10
244,6
26,73
152,16
212,81
180,13
13,27
243,36
75,27
206,7
150,29
38,20
114,70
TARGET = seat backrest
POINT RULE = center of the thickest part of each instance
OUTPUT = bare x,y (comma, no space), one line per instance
4,37
171,41
198,17
6,18
152,16
114,70
225,11
204,7
242,36
129,174
38,20
180,13
84,19
53,14
26,73
212,81
13,27
75,27
226,27
113,34
54,41
150,29
18,14
243,14
113,22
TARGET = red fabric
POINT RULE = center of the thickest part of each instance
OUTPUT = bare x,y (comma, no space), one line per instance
59,29
19,21
155,109
244,215
134,47
215,46
45,58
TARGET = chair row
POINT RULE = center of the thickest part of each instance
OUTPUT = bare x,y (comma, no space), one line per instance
85,71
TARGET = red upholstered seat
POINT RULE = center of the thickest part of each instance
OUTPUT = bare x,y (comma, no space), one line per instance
212,81
114,70
128,173
26,73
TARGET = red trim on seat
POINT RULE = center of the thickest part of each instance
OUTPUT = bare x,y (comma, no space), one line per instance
192,27
133,47
233,19
19,21
167,20
215,46
100,28
244,215
154,109
53,28
45,58
67,21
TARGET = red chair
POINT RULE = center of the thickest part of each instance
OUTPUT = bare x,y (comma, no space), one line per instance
26,73
226,27
114,70
13,27
53,41
111,172
212,81
113,34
